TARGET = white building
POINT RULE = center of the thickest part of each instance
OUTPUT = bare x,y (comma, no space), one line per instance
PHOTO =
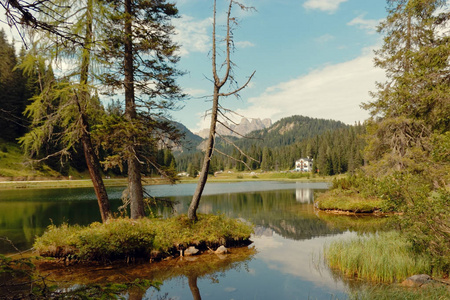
304,165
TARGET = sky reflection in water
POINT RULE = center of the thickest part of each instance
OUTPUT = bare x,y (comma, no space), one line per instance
288,238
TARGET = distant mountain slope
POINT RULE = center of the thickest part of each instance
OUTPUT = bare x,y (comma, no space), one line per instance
290,130
190,141
285,132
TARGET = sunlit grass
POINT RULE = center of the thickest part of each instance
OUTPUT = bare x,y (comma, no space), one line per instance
390,292
144,238
338,200
12,161
382,257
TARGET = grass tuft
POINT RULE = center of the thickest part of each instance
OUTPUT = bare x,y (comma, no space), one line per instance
340,200
383,257
390,292
124,238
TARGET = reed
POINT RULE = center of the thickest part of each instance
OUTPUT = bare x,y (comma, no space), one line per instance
389,292
382,257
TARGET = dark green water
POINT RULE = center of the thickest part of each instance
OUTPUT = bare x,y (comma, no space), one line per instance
288,240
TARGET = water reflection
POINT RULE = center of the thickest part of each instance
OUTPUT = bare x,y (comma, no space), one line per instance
198,269
284,264
304,195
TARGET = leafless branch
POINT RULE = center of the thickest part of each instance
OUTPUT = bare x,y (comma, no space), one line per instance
239,89
22,13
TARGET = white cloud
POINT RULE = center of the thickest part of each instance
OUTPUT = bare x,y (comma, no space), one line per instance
192,35
323,5
196,92
204,121
332,92
369,25
244,44
324,38
297,258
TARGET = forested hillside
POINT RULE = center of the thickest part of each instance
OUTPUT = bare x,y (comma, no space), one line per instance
335,147
15,90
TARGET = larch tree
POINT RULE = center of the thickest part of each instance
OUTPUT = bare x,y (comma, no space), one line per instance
41,15
68,102
143,61
216,109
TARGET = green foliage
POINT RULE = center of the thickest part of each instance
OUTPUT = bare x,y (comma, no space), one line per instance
15,267
124,239
14,92
389,292
427,226
383,257
425,220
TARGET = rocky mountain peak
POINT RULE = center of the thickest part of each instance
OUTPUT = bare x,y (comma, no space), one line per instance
244,127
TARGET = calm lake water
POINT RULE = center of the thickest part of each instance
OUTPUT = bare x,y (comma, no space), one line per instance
284,261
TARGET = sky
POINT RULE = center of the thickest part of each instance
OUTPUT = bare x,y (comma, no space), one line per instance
310,57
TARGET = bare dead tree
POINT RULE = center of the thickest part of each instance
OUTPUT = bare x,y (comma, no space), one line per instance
216,108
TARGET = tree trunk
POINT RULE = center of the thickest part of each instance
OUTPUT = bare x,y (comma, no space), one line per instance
89,153
135,189
192,212
192,280
96,177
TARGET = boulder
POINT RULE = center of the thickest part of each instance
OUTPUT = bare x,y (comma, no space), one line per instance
191,251
417,280
221,250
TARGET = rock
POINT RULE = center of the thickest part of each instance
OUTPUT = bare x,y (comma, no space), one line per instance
417,280
238,130
190,251
221,250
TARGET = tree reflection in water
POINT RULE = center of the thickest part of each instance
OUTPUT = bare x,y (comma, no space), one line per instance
192,268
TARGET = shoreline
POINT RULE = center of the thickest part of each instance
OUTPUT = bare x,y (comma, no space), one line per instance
54,183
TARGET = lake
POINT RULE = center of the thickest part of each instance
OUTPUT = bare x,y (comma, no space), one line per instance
284,261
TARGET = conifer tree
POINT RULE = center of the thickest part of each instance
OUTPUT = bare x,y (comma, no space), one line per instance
414,102
142,59
13,93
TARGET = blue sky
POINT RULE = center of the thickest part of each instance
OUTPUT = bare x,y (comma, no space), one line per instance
311,57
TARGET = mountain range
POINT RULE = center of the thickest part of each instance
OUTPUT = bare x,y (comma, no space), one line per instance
238,130
262,132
